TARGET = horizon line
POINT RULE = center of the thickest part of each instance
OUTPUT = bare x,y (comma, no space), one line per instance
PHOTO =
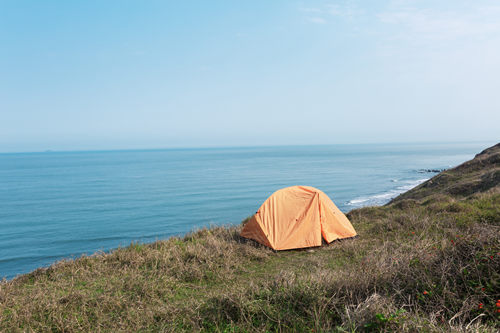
48,151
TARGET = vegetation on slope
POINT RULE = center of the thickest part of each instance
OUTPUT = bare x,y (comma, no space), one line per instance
428,264
478,175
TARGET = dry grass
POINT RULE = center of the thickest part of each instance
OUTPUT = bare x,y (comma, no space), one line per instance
414,267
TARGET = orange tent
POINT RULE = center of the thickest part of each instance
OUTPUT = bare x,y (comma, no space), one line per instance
297,217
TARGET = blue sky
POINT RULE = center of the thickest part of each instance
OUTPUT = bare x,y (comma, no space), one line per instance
154,74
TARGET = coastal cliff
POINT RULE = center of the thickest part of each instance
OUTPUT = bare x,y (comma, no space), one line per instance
427,261
479,175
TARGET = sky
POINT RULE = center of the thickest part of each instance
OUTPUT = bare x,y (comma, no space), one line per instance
86,75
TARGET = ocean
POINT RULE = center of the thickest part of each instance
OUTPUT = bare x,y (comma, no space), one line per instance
57,205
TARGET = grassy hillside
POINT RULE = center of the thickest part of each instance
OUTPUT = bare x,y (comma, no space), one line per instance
428,261
478,175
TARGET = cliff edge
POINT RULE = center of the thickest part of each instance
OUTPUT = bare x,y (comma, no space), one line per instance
479,175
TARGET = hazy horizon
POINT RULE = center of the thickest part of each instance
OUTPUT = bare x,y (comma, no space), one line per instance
120,75
487,144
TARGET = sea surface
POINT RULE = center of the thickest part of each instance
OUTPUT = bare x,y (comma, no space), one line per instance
57,205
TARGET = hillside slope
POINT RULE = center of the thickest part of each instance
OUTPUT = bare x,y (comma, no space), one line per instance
429,261
478,175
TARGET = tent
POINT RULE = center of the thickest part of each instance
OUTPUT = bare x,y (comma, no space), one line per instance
297,217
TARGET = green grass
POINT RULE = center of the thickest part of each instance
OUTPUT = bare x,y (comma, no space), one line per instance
413,267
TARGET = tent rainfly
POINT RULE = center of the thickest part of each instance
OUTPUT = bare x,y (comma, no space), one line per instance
297,217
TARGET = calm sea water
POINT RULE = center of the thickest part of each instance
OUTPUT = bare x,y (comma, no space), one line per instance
63,204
